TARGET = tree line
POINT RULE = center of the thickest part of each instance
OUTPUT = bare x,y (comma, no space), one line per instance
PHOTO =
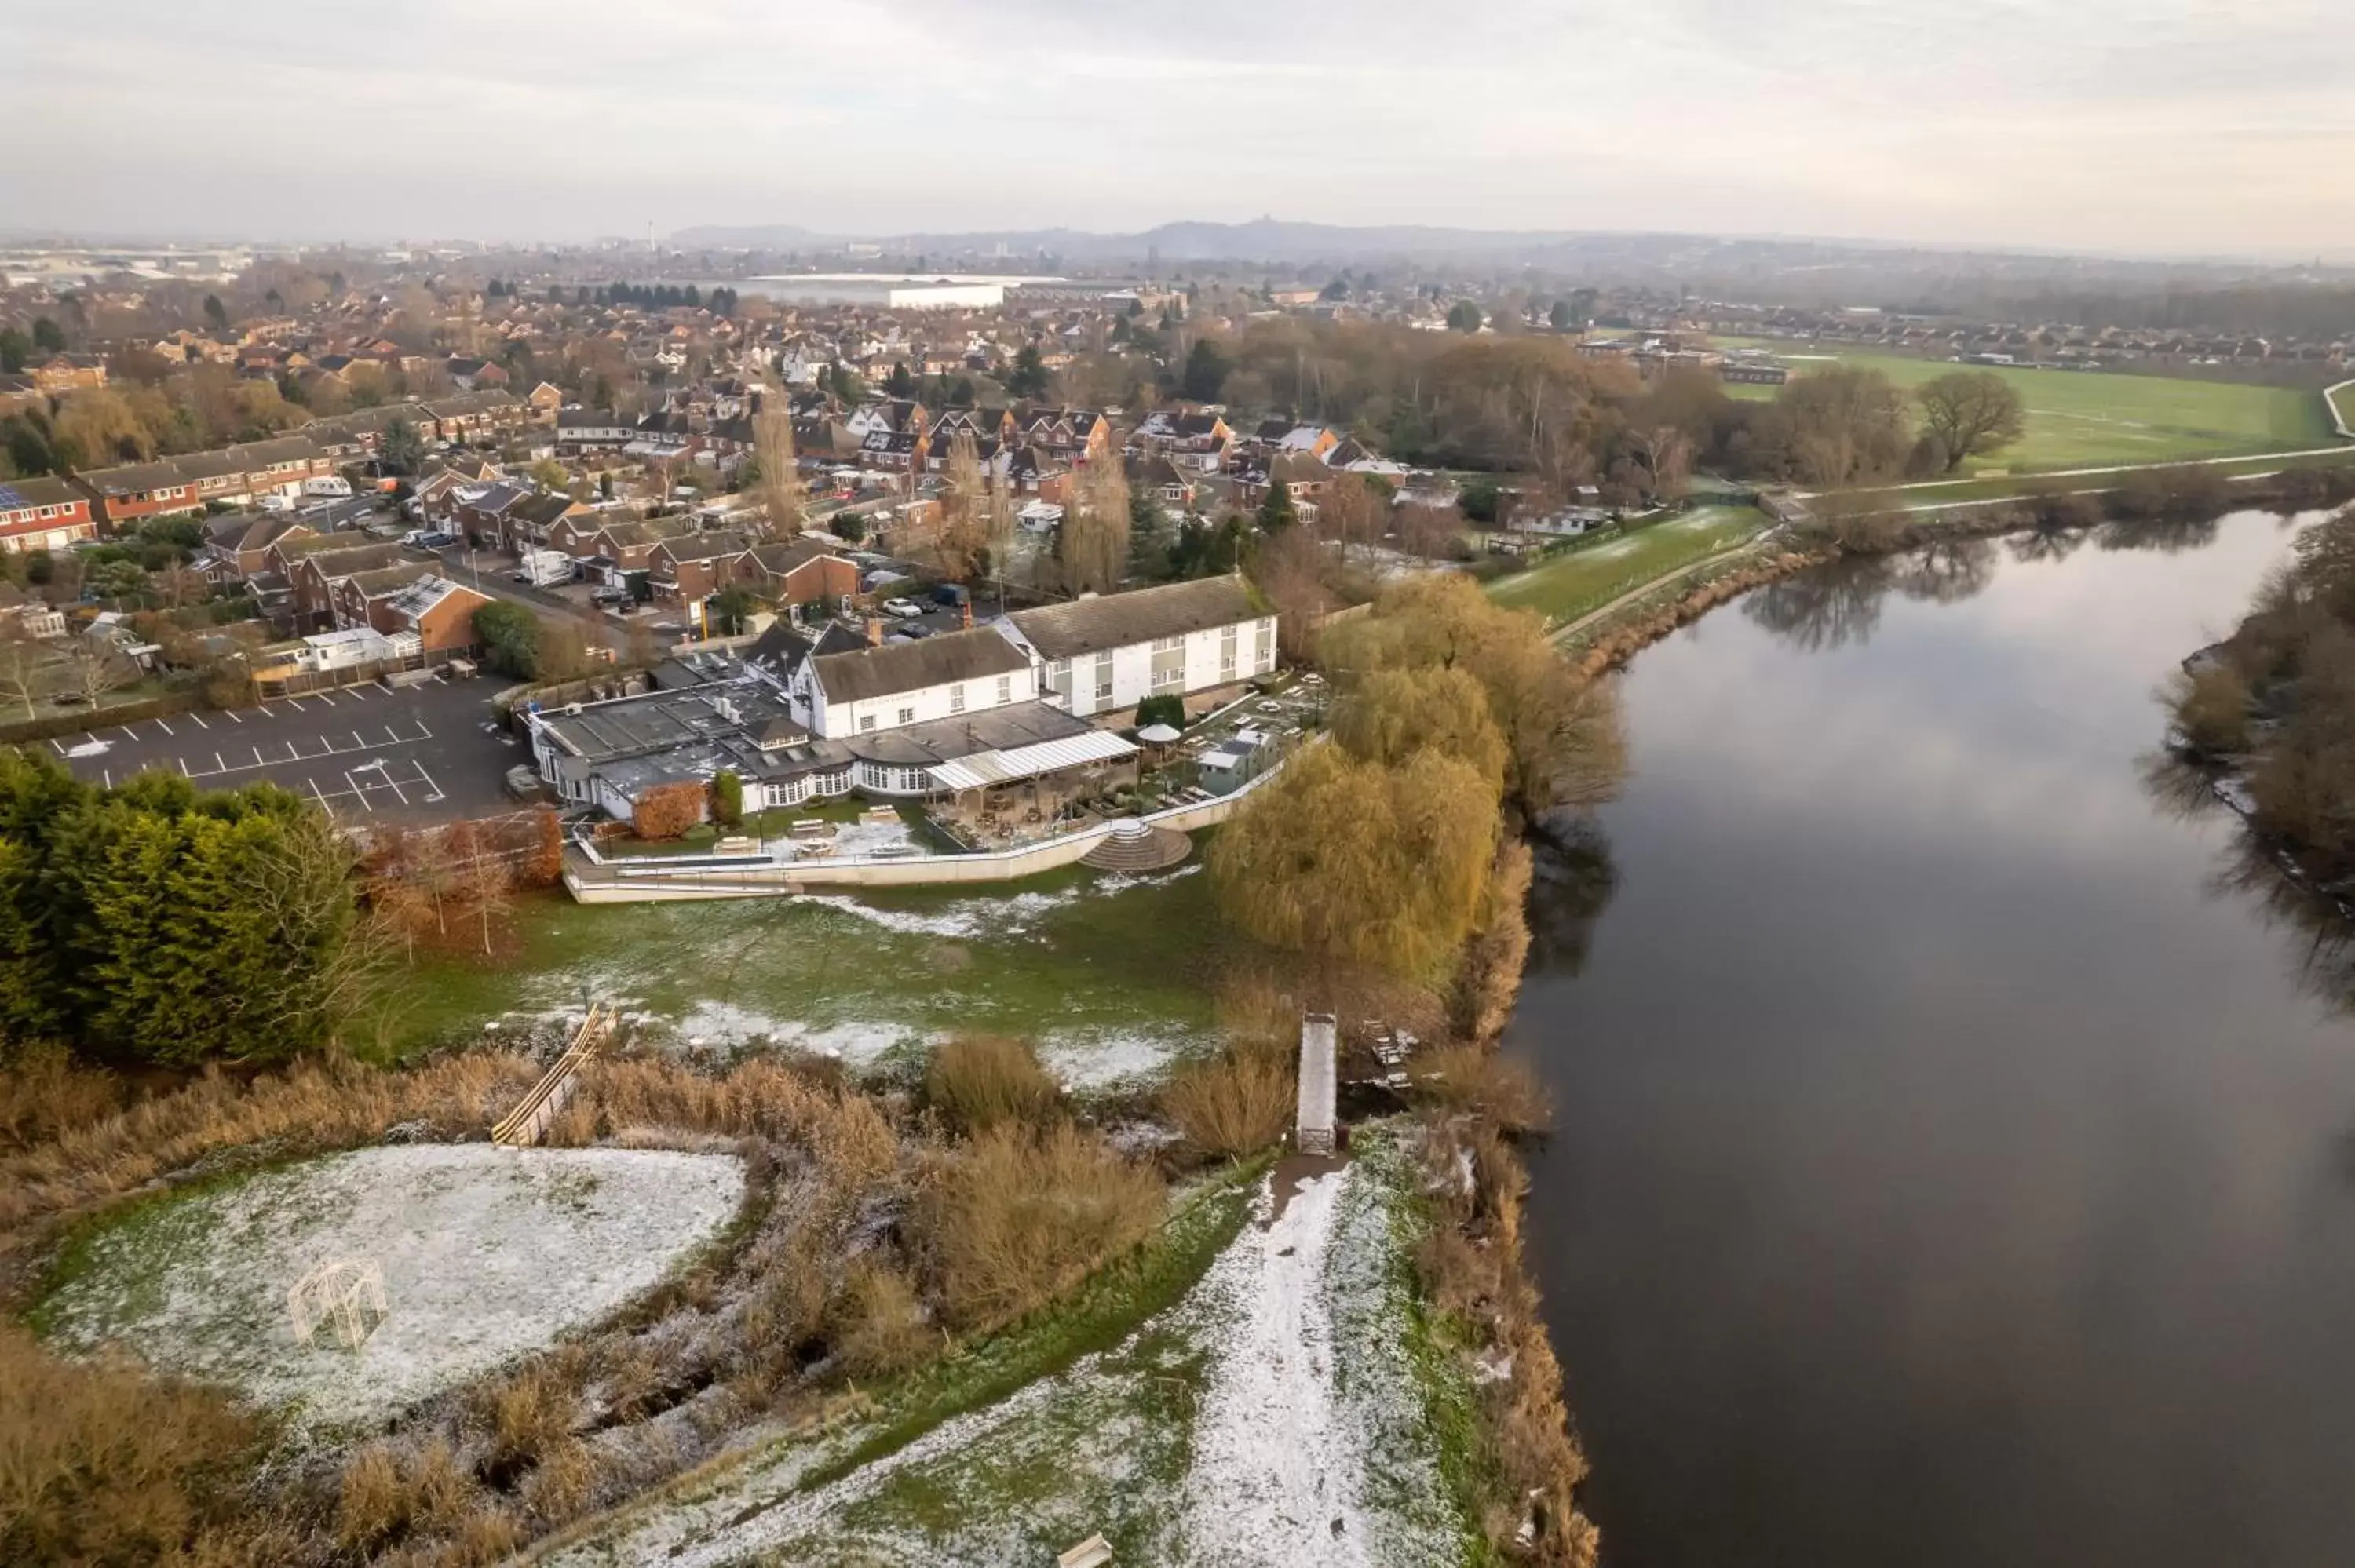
149,923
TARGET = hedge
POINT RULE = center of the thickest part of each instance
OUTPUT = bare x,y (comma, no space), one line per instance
61,725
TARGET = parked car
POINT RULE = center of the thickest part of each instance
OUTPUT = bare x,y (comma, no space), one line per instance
905,608
951,594
914,631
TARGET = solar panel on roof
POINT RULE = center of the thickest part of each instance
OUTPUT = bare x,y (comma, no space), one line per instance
11,496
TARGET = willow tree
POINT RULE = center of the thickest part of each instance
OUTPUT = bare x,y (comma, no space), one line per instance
1563,745
782,495
1095,528
1355,862
1389,716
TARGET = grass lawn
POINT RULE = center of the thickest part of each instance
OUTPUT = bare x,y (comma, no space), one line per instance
2091,419
1569,585
1965,489
1112,976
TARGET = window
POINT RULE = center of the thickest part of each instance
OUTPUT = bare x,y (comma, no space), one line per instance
956,697
1169,664
1103,677
866,723
1264,656
907,716
1005,688
1058,676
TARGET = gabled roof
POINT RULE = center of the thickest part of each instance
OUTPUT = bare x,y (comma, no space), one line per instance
899,667
133,478
781,650
706,546
37,490
1118,619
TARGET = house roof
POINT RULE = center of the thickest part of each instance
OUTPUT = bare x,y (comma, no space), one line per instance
911,666
1119,620
38,490
781,648
380,581
706,546
133,478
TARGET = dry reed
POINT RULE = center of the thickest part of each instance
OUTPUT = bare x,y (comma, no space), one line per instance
979,1081
1014,1220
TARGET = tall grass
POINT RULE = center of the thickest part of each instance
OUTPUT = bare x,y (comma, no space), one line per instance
102,1463
1014,1219
1501,1089
45,1093
980,1081
1238,1104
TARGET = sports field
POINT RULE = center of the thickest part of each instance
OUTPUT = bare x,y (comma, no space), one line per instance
1571,584
2088,418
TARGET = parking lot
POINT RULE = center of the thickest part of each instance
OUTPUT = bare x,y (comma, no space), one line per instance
428,754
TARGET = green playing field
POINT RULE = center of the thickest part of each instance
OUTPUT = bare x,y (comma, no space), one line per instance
2080,418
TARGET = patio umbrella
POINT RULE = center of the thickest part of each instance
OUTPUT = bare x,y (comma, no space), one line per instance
1156,735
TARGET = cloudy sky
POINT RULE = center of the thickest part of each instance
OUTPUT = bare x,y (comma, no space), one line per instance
2136,126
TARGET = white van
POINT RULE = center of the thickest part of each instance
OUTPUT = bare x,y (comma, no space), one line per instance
328,486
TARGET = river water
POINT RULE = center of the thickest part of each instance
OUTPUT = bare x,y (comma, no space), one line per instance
1950,1166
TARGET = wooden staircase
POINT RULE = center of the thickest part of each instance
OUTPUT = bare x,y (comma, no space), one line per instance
528,1123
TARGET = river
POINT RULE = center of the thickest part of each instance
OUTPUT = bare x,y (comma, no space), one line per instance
1948,1167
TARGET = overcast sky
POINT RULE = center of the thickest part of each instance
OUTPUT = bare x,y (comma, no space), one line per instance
2196,126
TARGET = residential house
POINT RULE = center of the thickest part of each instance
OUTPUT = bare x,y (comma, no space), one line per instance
545,401
44,514
1067,436
64,372
525,525
1159,477
313,564
580,427
238,543
130,493
797,572
481,511
1108,652
693,566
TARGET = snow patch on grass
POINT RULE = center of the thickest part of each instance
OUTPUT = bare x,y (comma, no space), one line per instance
1278,1470
487,1252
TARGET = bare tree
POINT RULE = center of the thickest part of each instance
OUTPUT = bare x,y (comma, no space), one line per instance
1351,513
1968,412
26,668
94,669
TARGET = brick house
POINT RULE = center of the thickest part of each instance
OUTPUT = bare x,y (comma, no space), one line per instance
43,513
130,493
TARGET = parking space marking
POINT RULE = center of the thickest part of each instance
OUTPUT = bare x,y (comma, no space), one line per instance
200,723
233,718
323,697
219,765
358,790
430,799
162,725
127,732
59,745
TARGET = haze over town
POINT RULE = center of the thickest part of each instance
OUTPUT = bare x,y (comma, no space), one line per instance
2123,126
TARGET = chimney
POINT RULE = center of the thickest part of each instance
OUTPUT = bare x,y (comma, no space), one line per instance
875,632
968,614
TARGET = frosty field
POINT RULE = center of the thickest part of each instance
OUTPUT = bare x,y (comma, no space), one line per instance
1272,1413
486,1252
1112,975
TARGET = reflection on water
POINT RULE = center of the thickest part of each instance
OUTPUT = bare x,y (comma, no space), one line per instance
1952,1156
